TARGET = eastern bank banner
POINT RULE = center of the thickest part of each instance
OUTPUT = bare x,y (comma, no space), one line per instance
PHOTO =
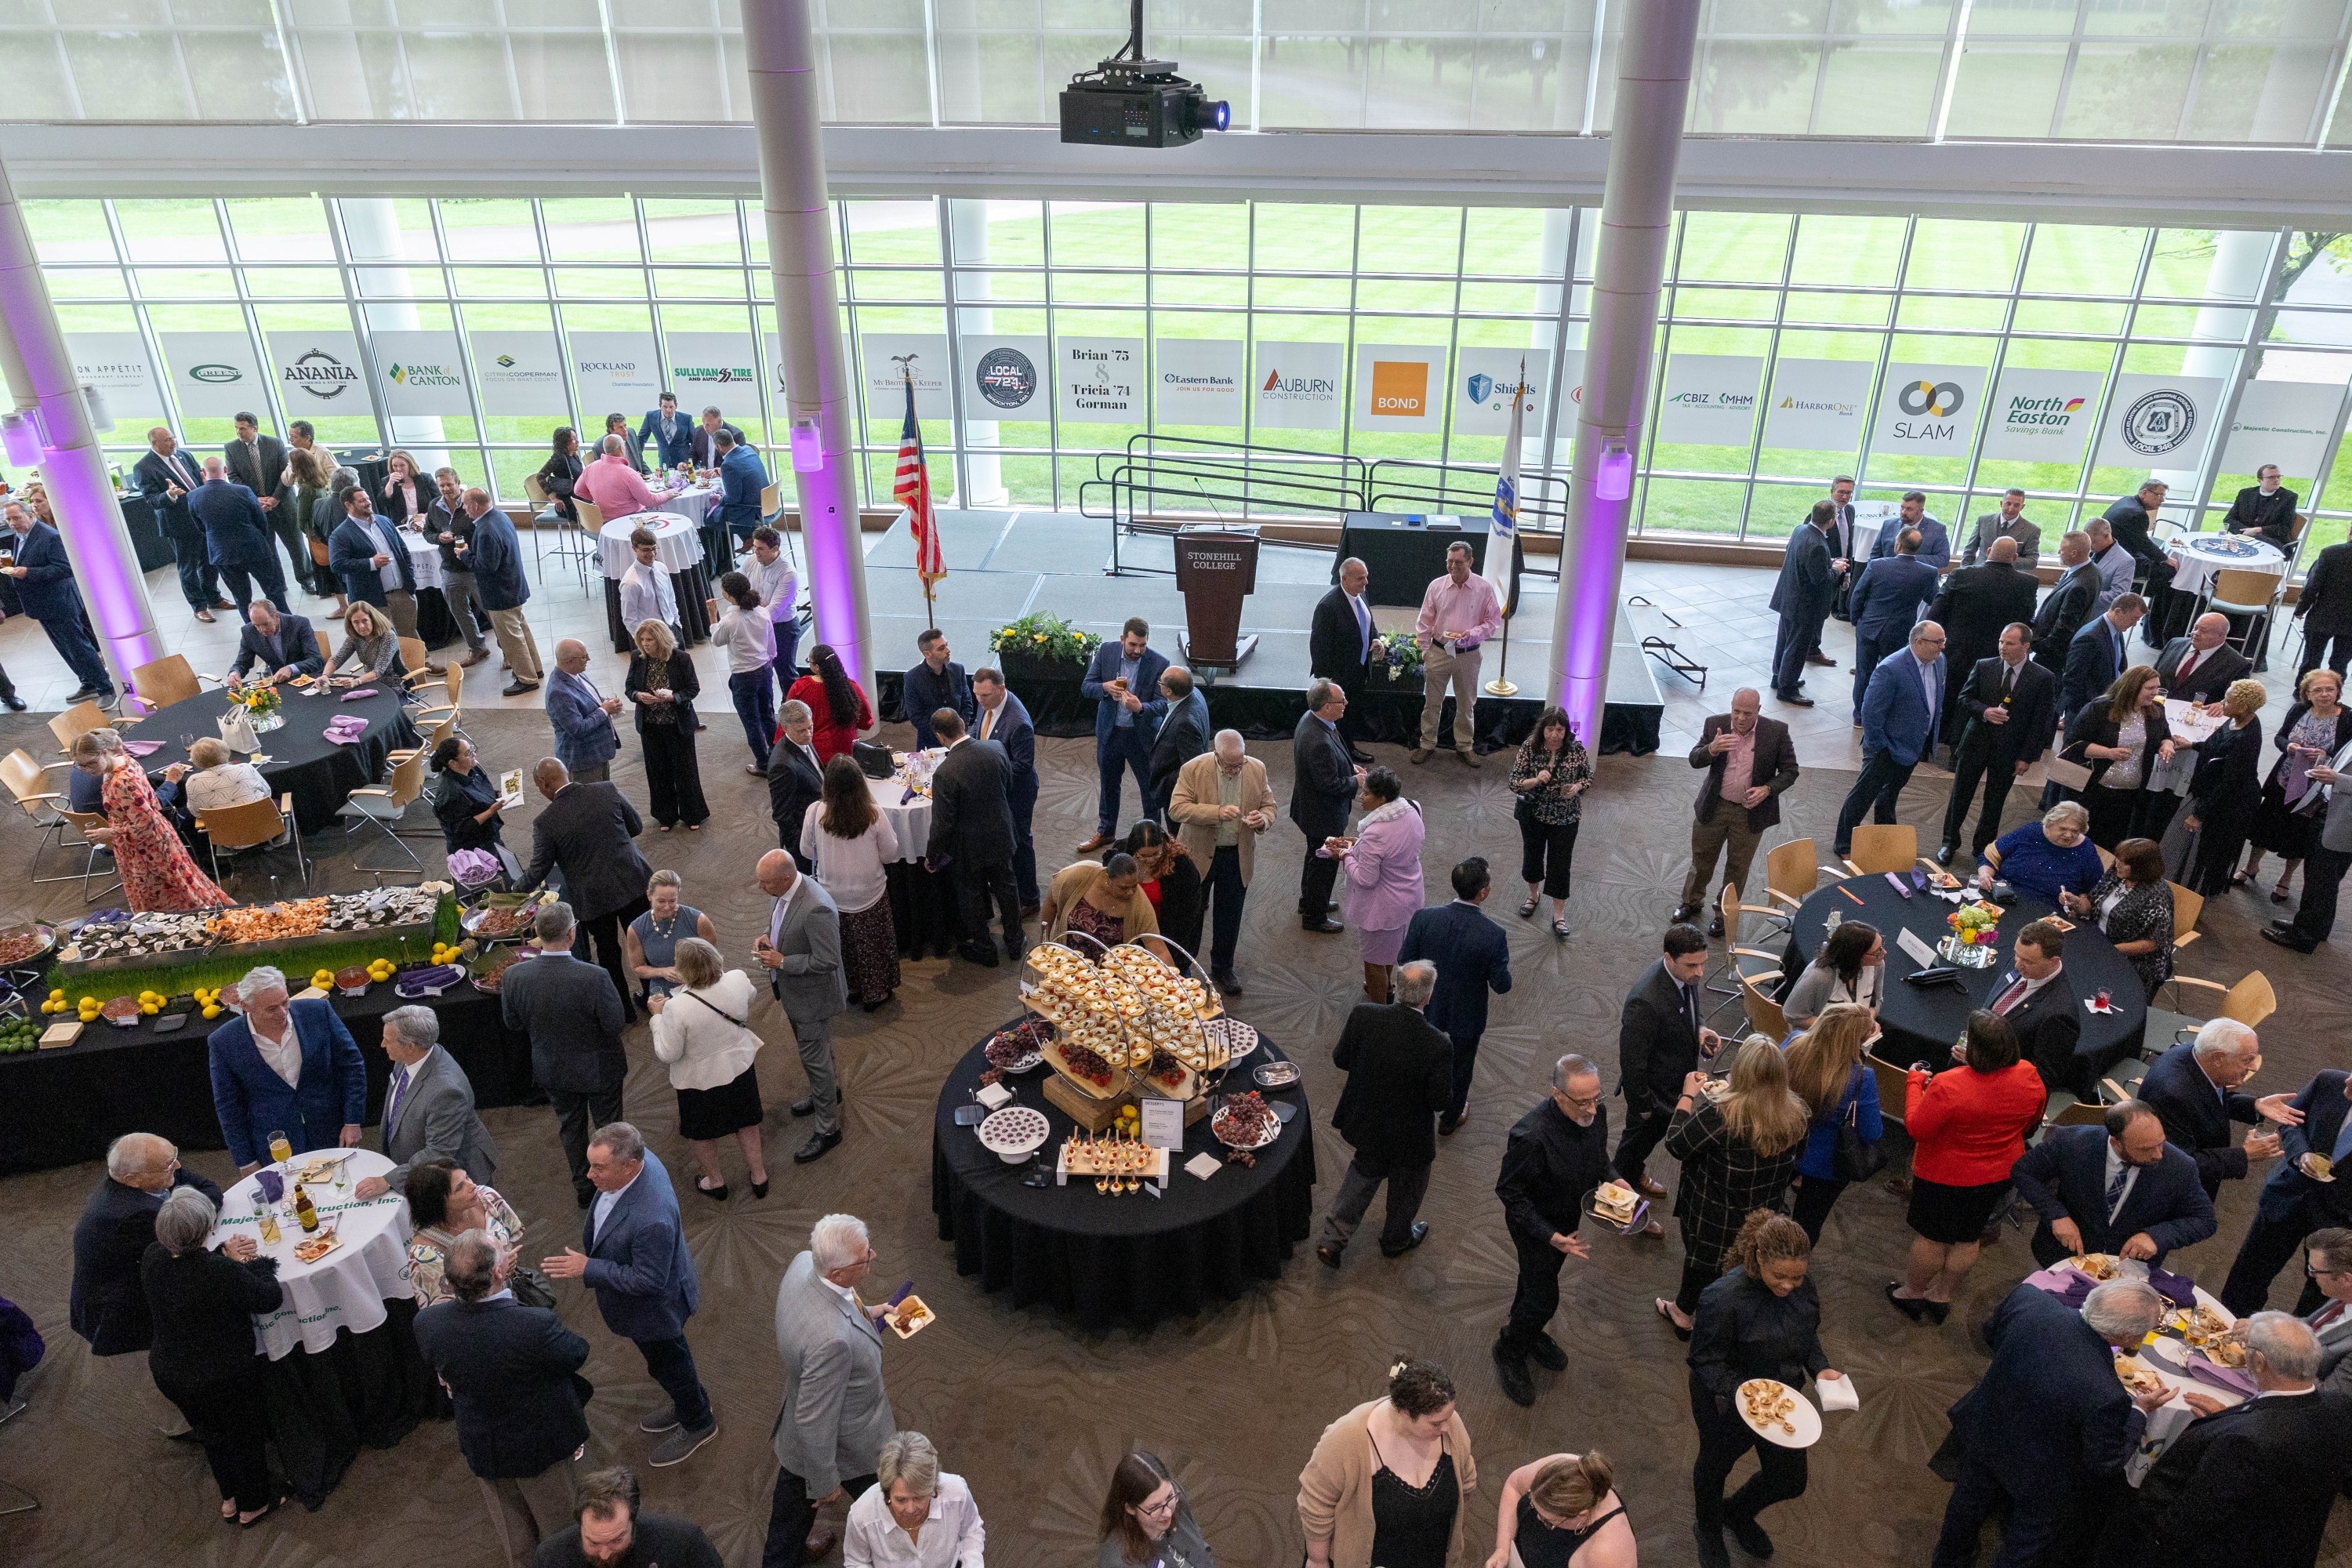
2042,416
215,375
421,372
1198,381
319,374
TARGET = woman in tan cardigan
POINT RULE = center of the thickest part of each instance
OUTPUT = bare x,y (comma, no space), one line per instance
1386,1482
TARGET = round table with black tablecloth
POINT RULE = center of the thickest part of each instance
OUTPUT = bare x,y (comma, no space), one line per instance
317,772
1135,1258
1921,1022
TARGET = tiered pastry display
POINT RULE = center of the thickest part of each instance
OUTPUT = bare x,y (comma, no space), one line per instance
1127,1023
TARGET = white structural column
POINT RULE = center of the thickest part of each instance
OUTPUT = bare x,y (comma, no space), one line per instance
371,228
1629,269
779,45
984,471
40,376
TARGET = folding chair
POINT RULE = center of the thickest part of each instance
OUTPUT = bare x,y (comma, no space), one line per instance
2186,907
27,781
161,682
1764,1015
1892,1086
1882,846
1734,976
256,824
385,805
440,731
74,722
2235,592
83,822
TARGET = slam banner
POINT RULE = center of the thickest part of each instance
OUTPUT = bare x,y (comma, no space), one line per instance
2042,416
1297,386
617,372
1102,380
319,376
2158,421
1004,377
118,367
1710,400
2282,422
420,373
1928,410
1400,388
215,375
886,359
1817,404
1199,381
520,375
1483,379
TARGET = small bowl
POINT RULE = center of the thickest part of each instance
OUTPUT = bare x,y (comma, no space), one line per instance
1275,1075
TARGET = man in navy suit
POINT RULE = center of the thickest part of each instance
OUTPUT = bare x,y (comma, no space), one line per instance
703,439
2120,1190
1001,717
632,1255
1894,589
2100,652
366,552
1898,728
1807,588
236,536
1323,790
108,1305
2294,1203
2194,1089
269,644
165,476
1472,958
741,479
936,682
513,1373
45,586
1935,541
1125,717
2049,1425
670,431
285,1066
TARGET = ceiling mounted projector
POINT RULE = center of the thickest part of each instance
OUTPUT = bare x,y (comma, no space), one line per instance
1130,101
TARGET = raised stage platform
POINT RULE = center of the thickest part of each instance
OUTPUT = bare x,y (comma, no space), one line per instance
1006,564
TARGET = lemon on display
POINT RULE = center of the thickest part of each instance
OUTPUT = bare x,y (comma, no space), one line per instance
212,1010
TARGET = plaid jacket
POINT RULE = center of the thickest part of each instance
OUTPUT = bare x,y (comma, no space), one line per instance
1723,1180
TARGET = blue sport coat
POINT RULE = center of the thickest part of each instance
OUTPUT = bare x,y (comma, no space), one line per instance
673,450
1887,600
1473,957
350,555
1895,714
1148,671
1019,738
511,1369
922,694
585,736
1808,586
2064,1176
741,478
237,531
252,1101
2093,659
638,1265
47,588
2048,1417
298,644
496,555
2322,1106
1934,544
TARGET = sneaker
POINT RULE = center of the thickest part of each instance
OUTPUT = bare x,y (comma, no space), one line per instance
675,1447
662,1420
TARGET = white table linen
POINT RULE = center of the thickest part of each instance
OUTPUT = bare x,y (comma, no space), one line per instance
346,1288
678,542
2200,555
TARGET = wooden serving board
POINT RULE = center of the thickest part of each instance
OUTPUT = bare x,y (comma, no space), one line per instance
1084,1109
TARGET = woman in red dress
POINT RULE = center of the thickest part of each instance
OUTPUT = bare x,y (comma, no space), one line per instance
157,874
834,701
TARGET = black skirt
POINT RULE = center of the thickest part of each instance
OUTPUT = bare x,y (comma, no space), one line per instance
2278,829
721,1112
1953,1216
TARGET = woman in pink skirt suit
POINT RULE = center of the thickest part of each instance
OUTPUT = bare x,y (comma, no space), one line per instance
1380,886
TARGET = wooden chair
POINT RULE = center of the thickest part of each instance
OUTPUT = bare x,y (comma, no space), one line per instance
2186,907
2124,1082
440,731
1764,1015
1730,981
2250,1001
28,783
1791,873
161,682
83,823
385,806
1879,848
415,661
1892,1086
257,824
74,722
2235,592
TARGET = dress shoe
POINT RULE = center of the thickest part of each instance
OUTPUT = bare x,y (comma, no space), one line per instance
1910,1306
14,703
717,1194
972,953
1797,702
223,605
1357,755
1448,1125
1226,981
1821,658
1327,1254
1947,852
1650,1188
662,1420
1711,1552
474,657
1655,1229
803,1106
1418,754
1685,912
1418,1234
1715,926
2288,940
1326,926
1030,909
1511,1371
1468,759
205,616
820,1541
82,694
517,687
1546,1354
1099,841
1749,1533
819,1145
674,1448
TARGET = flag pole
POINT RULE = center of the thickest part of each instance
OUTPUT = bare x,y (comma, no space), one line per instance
1507,497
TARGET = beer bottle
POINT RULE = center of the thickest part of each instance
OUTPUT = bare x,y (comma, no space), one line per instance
305,1210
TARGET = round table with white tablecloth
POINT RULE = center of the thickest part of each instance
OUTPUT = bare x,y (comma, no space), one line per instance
677,548
2198,556
347,1288
922,901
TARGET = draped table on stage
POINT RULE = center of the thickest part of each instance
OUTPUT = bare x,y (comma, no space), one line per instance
319,774
677,548
339,1362
1136,1257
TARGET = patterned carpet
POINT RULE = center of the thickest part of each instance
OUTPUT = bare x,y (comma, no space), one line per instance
1034,1409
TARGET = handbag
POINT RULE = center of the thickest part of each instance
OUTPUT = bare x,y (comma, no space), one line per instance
317,551
531,1287
2066,772
873,761
1855,1158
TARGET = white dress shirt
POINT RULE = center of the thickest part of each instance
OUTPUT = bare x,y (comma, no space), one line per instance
387,541
646,596
776,583
951,1534
284,1056
605,1202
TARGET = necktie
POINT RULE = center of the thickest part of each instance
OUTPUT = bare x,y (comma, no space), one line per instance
2343,1141
392,1105
2010,998
2328,1314
2180,675
987,721
1690,1008
2008,682
1363,629
180,472
2115,1190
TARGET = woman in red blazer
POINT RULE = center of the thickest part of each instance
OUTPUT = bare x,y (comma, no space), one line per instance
1968,1123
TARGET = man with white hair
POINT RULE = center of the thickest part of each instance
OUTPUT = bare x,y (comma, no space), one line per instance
795,777
585,740
428,1109
2048,1425
2251,1483
836,1414
1222,805
2194,1089
1899,712
236,536
108,1305
285,1066
1399,1069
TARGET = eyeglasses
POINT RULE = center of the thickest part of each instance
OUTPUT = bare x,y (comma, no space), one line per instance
1159,1508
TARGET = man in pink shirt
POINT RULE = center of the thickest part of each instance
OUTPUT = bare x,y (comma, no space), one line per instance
1458,613
611,482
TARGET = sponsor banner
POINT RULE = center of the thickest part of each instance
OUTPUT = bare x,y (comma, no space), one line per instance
888,358
1926,410
1818,404
1400,388
714,367
1710,400
1004,377
1199,381
2158,421
1297,386
420,374
617,372
1483,379
1102,380
520,375
118,367
2042,416
319,374
2282,422
215,375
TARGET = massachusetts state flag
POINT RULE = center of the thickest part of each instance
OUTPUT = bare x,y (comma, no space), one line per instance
912,490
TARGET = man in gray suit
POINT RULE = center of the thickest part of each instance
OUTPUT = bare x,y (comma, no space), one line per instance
802,953
2324,867
836,1414
428,1111
571,1012
2327,1259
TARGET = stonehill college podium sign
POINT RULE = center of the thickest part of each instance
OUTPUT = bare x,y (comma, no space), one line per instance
1216,569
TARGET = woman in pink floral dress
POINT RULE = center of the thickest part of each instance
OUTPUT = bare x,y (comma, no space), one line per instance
157,874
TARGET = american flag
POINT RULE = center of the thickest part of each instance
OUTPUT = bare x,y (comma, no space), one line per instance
912,490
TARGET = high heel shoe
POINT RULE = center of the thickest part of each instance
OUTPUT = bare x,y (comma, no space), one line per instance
1912,1307
759,1189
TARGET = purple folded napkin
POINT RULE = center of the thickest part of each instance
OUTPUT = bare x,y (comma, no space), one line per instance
143,748
362,691
2071,1284
343,734
473,866
272,1185
2236,1382
2176,1289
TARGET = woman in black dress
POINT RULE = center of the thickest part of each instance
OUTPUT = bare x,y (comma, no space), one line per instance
467,801
1562,1512
661,685
1762,1319
2316,727
562,471
1739,1146
1171,880
202,1304
2225,792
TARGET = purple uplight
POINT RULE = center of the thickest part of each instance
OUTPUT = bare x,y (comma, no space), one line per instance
80,489
1592,620
808,448
833,591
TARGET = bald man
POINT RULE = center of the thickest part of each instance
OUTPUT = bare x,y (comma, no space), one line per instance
801,952
165,476
587,833
585,740
236,536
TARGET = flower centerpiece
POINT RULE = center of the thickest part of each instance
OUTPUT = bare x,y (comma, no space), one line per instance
261,704
1396,656
1976,929
1040,641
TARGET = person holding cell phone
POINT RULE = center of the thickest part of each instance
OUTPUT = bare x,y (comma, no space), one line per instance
2316,727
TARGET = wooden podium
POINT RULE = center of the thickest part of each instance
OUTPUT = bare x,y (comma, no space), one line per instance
1216,569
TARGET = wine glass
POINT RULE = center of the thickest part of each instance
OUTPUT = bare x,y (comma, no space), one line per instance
280,1148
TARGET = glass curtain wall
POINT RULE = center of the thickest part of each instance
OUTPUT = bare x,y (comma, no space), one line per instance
1798,328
